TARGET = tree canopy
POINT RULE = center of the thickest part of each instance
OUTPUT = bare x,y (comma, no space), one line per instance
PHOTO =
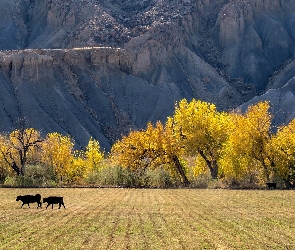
196,139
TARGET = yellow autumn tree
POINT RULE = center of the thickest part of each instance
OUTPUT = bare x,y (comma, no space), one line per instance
78,167
169,150
282,153
57,152
5,168
84,162
18,147
235,163
151,148
203,130
93,155
132,151
244,153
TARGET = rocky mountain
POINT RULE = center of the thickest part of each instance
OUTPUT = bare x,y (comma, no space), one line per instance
102,67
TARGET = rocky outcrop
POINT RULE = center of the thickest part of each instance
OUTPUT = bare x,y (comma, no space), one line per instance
27,65
281,101
255,38
101,91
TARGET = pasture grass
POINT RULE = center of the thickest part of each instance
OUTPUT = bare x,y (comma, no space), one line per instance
150,219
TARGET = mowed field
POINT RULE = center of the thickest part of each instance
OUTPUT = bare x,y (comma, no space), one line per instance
150,219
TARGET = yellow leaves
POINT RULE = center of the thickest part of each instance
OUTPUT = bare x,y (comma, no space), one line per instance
152,147
19,147
202,129
77,172
4,147
58,153
232,145
234,141
245,149
200,124
260,117
190,119
200,166
133,151
282,149
24,137
93,156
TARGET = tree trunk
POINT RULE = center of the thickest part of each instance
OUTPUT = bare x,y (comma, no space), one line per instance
16,169
23,160
212,165
266,170
180,170
214,170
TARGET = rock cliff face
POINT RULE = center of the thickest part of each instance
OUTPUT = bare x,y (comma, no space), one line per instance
102,67
256,37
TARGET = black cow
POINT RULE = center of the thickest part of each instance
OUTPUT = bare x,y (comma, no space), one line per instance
54,200
27,199
271,185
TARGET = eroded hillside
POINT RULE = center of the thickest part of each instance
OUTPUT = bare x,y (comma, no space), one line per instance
100,68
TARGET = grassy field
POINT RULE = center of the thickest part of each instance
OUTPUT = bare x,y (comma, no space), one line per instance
150,219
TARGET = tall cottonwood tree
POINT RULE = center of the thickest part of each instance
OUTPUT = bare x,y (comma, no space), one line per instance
86,161
151,148
245,151
17,145
93,155
202,130
58,153
132,151
281,150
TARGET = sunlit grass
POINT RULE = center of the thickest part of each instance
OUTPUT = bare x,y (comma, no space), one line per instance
150,219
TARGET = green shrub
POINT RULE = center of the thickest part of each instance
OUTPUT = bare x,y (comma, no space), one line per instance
118,176
19,181
108,176
10,182
159,178
4,172
35,176
201,181
39,176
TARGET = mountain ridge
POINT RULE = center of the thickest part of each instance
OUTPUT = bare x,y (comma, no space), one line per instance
101,68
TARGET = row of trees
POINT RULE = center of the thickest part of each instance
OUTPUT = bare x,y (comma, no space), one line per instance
55,152
230,145
197,138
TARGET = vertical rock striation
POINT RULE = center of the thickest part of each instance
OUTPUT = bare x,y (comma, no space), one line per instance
101,68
